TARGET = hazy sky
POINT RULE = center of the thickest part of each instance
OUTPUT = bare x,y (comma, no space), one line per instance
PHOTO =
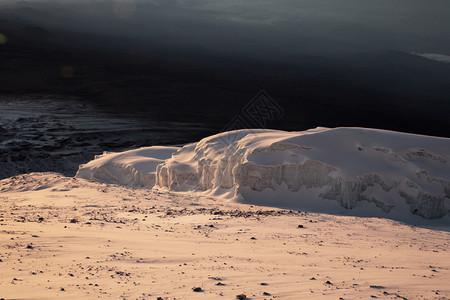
261,28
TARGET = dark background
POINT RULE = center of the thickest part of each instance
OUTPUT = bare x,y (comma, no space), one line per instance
325,64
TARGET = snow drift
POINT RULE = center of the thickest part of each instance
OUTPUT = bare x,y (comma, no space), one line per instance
385,171
134,167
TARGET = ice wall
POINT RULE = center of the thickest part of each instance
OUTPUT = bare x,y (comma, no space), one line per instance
391,170
348,165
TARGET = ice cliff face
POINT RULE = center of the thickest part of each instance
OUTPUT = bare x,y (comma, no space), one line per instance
390,170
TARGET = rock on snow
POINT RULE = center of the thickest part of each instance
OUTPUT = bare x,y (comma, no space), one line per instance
372,171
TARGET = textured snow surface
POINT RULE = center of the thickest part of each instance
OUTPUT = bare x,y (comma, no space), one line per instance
133,167
372,172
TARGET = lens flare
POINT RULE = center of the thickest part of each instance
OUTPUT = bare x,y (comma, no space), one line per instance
3,39
67,71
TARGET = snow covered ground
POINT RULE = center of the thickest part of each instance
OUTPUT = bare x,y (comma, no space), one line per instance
207,220
70,238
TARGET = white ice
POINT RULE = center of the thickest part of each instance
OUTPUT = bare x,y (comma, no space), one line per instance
375,172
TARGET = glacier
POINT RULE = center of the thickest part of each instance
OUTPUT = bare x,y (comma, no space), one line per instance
388,173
